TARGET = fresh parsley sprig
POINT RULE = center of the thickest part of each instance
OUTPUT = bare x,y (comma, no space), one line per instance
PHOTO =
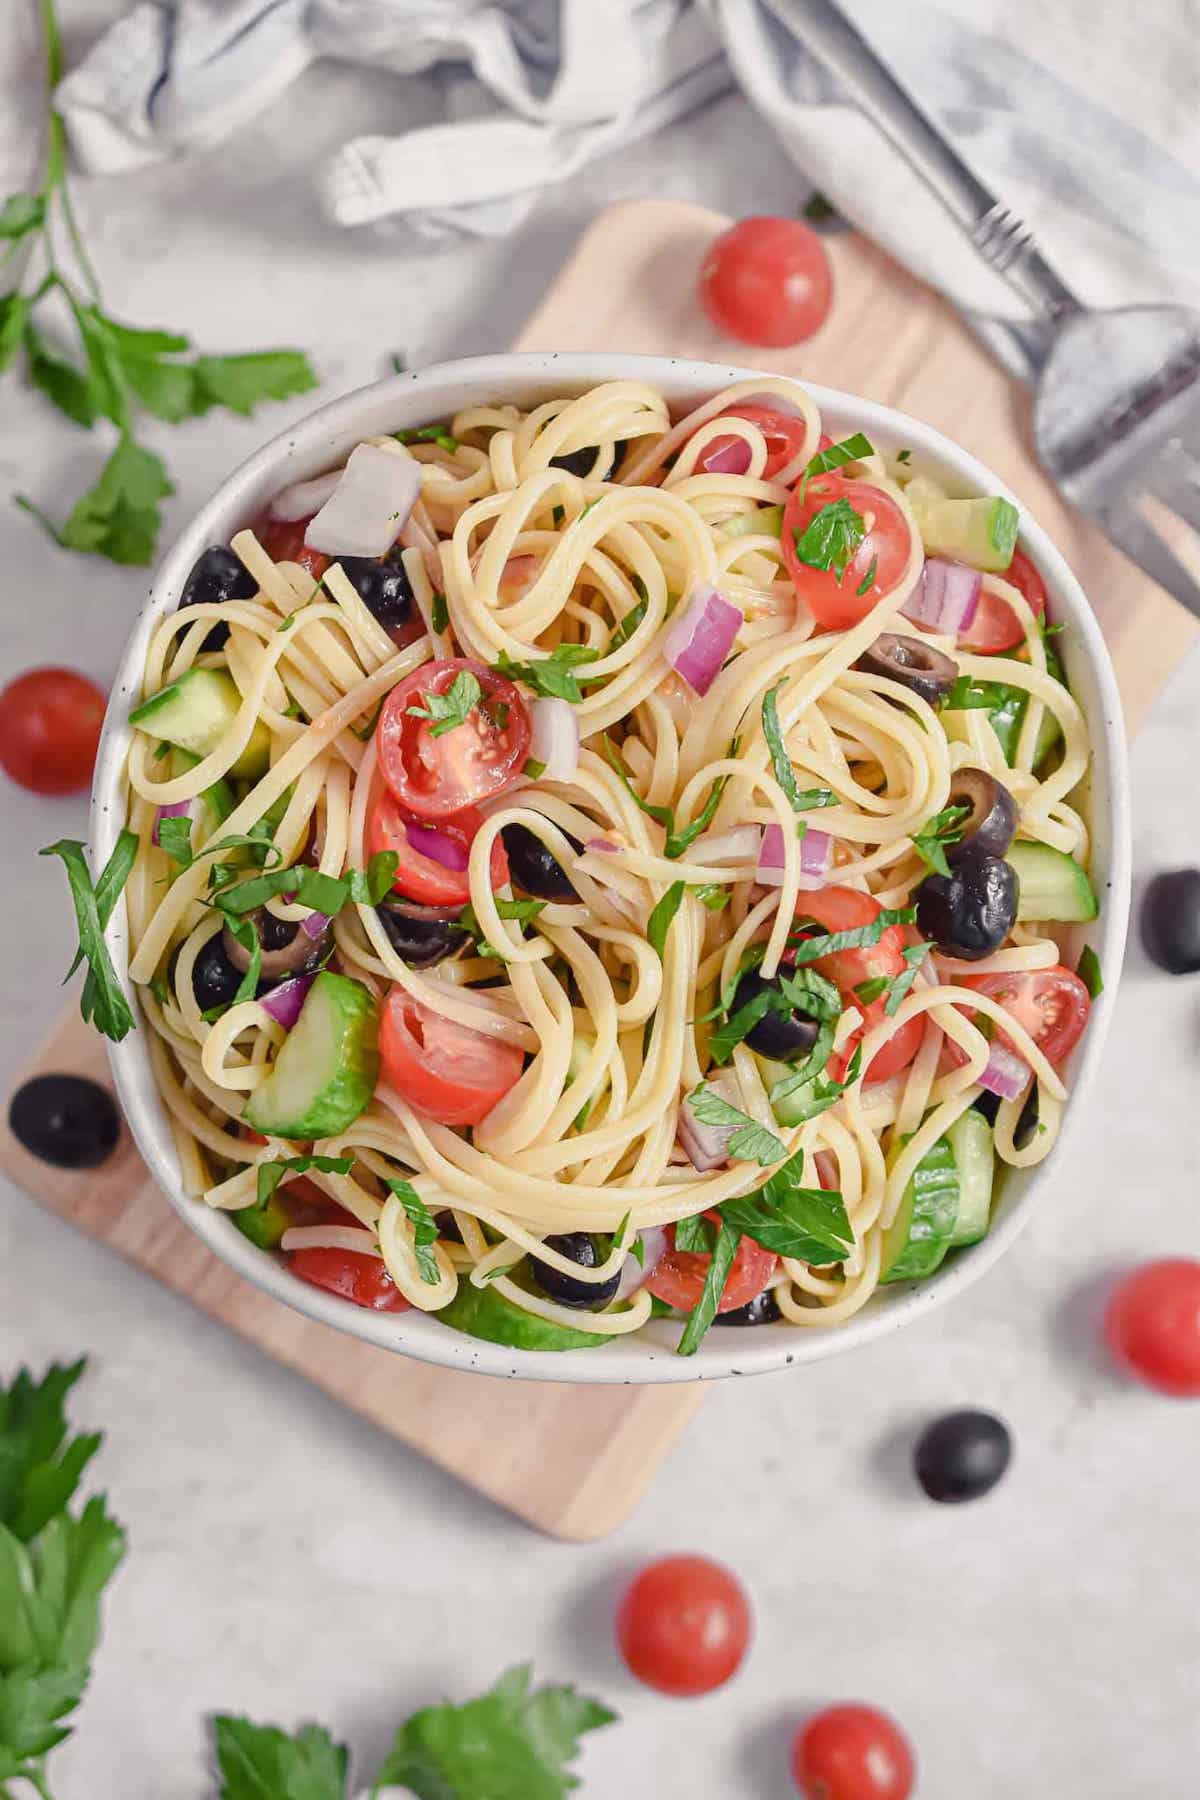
553,675
425,1231
449,710
119,369
831,537
750,1141
102,1003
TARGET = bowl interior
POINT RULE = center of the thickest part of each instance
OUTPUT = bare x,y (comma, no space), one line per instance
325,439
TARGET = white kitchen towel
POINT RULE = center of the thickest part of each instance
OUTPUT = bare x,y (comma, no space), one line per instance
1083,121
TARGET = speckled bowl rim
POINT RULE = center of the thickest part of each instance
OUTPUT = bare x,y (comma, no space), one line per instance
325,437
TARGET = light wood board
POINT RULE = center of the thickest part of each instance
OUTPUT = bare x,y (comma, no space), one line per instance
575,1461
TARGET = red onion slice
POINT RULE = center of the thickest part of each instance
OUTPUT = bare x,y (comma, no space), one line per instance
304,498
707,1146
816,853
726,456
635,1274
437,847
604,845
946,597
369,507
1004,1073
284,1002
555,738
700,637
315,925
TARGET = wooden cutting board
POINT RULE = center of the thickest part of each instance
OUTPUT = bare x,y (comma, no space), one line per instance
575,1461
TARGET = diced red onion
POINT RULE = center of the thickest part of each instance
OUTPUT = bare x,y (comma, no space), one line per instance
178,809
316,924
1004,1073
816,852
370,505
946,597
555,738
708,1145
635,1274
304,498
726,456
284,1002
737,846
439,848
604,845
700,637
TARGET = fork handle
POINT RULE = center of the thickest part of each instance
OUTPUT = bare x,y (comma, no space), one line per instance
1000,236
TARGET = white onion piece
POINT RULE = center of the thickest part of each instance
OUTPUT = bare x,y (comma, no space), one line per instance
1004,1073
304,498
555,738
701,635
635,1274
708,1145
816,852
369,507
737,846
946,597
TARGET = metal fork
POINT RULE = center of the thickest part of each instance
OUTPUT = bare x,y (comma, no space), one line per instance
1116,409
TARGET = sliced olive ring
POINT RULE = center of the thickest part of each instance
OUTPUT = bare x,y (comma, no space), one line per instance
286,948
422,935
916,665
991,823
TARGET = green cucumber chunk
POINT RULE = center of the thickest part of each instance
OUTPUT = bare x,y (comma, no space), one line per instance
216,802
195,711
483,1313
982,531
923,1229
326,1071
768,519
791,1109
970,1138
1053,885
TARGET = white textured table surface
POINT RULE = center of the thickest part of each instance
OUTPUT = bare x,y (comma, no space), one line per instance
289,1561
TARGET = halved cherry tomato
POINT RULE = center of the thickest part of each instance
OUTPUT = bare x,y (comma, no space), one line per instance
836,602
1153,1325
845,909
784,435
683,1625
420,877
283,541
678,1276
363,1280
995,626
441,1068
853,1753
1052,1004
895,1055
434,777
767,281
50,723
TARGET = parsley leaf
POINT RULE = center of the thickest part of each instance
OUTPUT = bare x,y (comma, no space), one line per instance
914,955
40,1467
103,1001
712,896
175,837
119,517
73,392
716,1275
848,450
695,1236
659,922
553,675
21,214
323,893
425,1231
270,1174
831,537
428,434
808,1224
750,1142
868,580
448,711
370,888
867,992
628,625
942,829
677,841
260,1762
510,1742
1088,971
803,799
521,910
439,613
810,949
243,382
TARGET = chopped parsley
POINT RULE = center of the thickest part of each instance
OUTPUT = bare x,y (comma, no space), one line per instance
270,1174
659,922
553,675
802,799
428,434
533,768
831,537
713,896
868,580
425,1231
903,456
628,625
677,841
803,991
1088,971
695,1236
449,710
716,1275
439,613
521,910
914,955
942,829
750,1141
851,449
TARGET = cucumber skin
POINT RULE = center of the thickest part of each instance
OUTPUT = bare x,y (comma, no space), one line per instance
929,1208
263,1225
1053,885
483,1313
220,695
348,1091
981,531
971,1140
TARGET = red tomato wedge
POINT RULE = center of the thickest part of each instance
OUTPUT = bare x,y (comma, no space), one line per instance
838,602
1052,1004
363,1280
845,909
283,541
50,723
767,281
678,1276
995,626
783,432
441,1068
435,774
421,877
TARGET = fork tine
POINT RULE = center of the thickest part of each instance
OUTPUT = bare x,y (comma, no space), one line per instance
1144,546
1173,476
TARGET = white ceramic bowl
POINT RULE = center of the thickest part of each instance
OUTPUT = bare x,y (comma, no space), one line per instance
326,438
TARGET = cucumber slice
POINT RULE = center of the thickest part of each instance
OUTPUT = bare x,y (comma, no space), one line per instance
921,1233
264,1225
982,532
195,711
217,801
922,490
1053,885
483,1313
790,1110
326,1072
763,519
970,1139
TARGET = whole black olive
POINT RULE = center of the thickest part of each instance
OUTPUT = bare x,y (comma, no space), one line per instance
579,1247
287,949
917,666
383,587
66,1120
962,1456
215,980
762,1310
421,935
533,868
582,462
1170,921
991,821
784,1036
970,912
217,575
